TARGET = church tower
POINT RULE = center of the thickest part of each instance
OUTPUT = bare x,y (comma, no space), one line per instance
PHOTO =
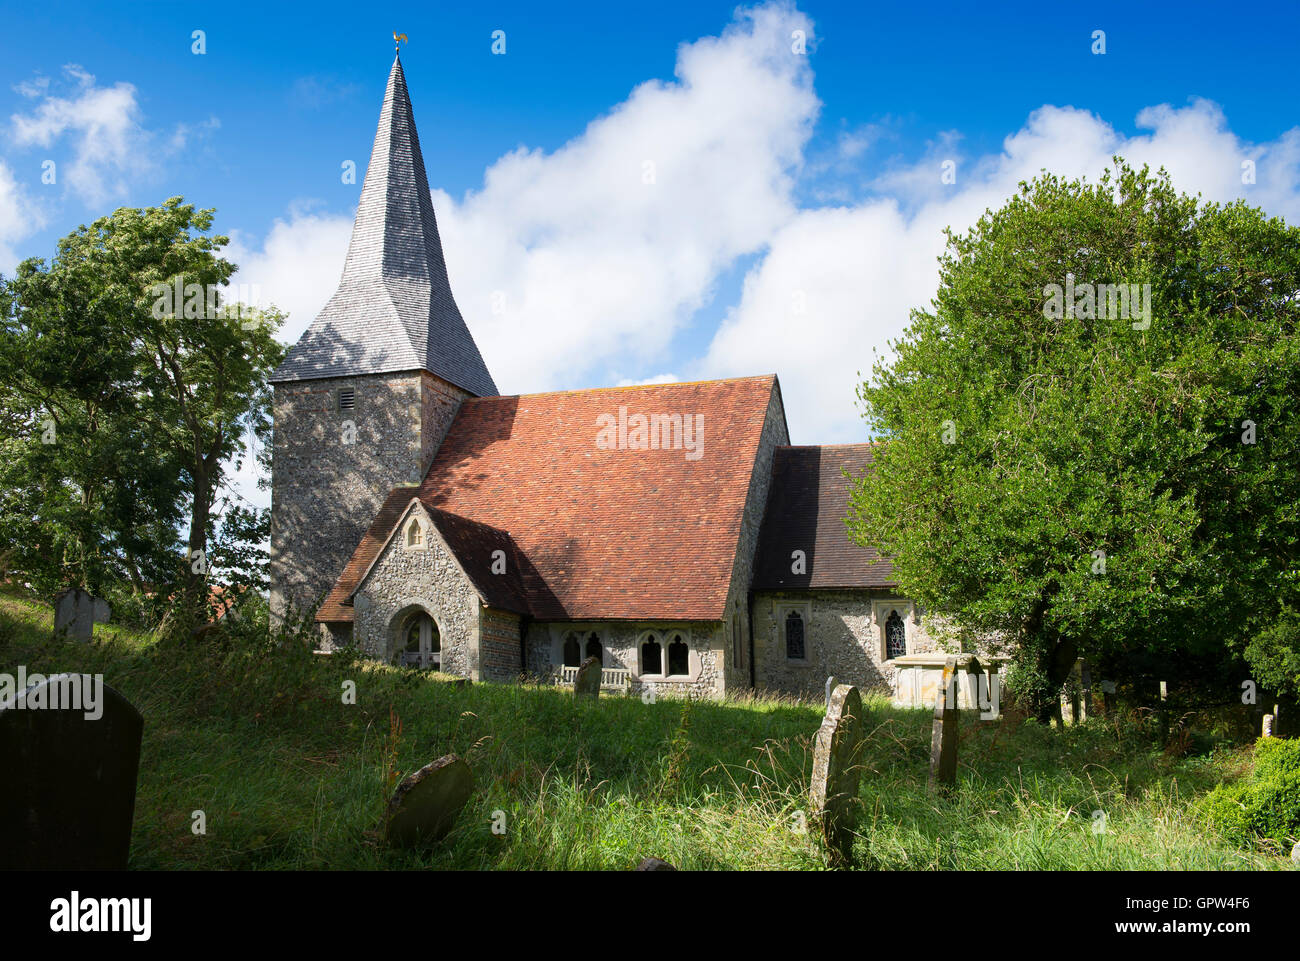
364,398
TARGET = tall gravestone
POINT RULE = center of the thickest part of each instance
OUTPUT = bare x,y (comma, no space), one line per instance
69,757
76,613
586,683
943,729
836,772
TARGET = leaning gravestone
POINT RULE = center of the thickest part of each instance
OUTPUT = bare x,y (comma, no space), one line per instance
587,681
76,613
943,730
425,805
836,772
69,756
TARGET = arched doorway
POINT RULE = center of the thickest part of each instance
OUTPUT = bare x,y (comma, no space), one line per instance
420,643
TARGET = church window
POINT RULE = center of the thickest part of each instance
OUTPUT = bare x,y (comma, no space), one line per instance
414,534
651,655
572,650
796,648
595,648
895,636
679,661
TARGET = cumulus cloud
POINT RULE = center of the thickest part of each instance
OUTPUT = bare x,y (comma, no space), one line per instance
837,284
20,216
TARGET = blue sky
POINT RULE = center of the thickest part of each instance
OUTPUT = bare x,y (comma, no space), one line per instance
794,213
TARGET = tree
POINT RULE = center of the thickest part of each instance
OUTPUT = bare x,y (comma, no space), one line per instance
153,380
1081,474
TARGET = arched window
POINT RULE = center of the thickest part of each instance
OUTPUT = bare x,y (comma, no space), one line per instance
652,661
895,636
572,650
414,534
679,658
795,648
595,648
422,644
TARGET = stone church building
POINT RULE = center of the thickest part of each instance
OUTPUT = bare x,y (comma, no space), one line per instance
671,530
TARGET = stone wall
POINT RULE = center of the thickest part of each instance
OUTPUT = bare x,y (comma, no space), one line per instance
405,580
621,643
499,654
331,469
775,434
844,636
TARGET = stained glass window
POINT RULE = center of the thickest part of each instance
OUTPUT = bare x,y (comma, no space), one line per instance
895,636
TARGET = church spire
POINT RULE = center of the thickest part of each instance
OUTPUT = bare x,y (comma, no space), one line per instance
393,310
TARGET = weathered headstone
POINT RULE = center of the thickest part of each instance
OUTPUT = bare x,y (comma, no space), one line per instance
1267,728
836,773
425,804
586,683
830,686
943,730
76,613
1076,700
654,864
69,756
1108,690
1295,852
1085,687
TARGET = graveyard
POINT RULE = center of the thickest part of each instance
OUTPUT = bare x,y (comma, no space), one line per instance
252,759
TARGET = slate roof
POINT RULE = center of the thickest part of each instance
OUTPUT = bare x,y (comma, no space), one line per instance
393,310
806,509
613,534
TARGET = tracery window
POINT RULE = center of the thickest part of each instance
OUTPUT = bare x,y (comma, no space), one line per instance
796,648
895,636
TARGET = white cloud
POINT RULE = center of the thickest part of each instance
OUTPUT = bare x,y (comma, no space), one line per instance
591,267
298,266
20,216
858,270
104,124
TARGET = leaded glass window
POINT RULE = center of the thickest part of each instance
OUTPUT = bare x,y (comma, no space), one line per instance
795,648
895,636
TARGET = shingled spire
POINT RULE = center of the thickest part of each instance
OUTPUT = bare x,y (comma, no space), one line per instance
393,310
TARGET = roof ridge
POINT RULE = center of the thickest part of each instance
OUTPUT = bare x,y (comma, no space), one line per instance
594,390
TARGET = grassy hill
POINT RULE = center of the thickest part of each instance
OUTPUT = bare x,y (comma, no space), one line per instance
288,776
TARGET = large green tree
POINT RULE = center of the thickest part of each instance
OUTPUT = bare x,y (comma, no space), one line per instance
1078,478
135,384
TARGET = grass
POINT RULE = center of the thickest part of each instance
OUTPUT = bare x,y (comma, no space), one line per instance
288,776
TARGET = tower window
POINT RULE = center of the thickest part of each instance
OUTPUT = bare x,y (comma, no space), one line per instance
347,398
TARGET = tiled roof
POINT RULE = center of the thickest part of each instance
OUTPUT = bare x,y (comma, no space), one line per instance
393,309
609,534
806,509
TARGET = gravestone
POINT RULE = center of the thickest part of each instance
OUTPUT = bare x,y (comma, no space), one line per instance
1076,700
1295,852
1267,728
76,613
1085,685
654,864
69,757
1108,689
830,686
587,681
425,804
943,730
836,774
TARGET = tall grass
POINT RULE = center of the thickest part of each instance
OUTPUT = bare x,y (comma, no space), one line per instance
259,739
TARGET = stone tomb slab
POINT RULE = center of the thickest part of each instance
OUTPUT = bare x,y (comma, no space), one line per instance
69,775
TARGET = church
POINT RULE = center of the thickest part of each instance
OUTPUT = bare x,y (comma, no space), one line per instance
670,530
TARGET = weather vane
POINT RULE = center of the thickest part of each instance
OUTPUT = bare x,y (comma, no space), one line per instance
398,40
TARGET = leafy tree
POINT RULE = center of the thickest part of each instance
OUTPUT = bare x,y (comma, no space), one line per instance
153,382
1080,483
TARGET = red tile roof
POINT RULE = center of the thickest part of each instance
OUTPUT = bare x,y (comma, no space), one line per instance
614,534
806,510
